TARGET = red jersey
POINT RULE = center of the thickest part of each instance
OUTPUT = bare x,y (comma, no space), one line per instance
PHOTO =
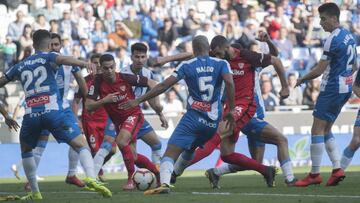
243,66
98,115
123,85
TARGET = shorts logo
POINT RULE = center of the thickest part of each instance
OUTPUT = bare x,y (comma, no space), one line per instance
238,110
131,120
91,90
38,101
92,141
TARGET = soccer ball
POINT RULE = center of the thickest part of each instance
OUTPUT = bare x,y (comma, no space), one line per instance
143,179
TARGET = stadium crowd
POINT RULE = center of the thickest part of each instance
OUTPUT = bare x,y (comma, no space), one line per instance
167,26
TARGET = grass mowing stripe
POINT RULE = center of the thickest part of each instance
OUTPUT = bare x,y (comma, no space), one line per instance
278,195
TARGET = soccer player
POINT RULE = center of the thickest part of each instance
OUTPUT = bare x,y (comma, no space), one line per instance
243,64
44,111
336,65
204,77
350,150
146,132
95,124
110,90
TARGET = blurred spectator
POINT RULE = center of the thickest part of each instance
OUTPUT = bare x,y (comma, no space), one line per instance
252,19
172,105
120,36
311,92
216,25
66,41
149,28
54,26
98,34
284,45
133,23
9,52
119,10
230,32
85,46
223,8
41,23
49,12
299,27
179,12
122,59
167,33
270,100
86,24
25,39
15,30
99,48
191,23
296,94
242,9
206,30
160,9
68,26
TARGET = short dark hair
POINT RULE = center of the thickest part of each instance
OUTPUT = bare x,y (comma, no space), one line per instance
330,9
55,35
237,46
140,47
94,56
200,44
41,38
106,57
218,41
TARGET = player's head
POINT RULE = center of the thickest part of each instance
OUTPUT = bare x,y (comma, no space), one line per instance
329,16
200,45
55,42
220,47
107,63
95,59
41,40
139,55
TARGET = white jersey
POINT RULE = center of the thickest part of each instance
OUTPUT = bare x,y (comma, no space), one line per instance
138,91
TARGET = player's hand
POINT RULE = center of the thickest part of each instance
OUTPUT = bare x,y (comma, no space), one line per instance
91,68
284,93
129,104
299,82
110,98
229,120
164,122
11,123
263,36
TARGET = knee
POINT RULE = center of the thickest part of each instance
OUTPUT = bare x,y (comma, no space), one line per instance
156,147
282,141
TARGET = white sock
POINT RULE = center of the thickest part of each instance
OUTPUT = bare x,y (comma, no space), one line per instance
30,170
73,161
287,170
166,169
332,150
156,156
222,170
38,151
87,162
183,162
316,151
346,158
99,159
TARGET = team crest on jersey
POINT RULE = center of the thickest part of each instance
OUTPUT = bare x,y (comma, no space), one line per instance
91,90
130,119
122,88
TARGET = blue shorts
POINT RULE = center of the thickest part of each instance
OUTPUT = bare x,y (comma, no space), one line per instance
357,120
193,131
328,106
110,129
145,129
253,131
62,124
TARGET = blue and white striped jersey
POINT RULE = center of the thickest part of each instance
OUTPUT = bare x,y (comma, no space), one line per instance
203,76
63,79
340,50
37,76
138,91
260,106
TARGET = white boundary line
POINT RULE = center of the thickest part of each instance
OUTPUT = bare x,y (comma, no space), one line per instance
276,194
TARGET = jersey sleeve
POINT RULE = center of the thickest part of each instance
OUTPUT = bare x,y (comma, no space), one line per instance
329,49
225,68
357,79
13,73
93,92
256,59
135,80
179,72
75,69
51,57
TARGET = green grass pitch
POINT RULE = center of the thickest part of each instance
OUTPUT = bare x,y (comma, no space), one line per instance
194,187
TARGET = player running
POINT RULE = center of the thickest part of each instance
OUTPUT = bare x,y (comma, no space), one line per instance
110,90
44,111
336,64
205,77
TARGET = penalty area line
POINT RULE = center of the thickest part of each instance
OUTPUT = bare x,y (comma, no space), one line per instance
277,195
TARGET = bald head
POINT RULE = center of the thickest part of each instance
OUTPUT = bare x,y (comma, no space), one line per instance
200,45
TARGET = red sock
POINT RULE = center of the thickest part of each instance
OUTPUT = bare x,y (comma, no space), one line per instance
128,160
208,148
143,162
244,161
219,162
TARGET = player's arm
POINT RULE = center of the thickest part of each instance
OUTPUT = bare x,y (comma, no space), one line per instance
159,61
82,84
10,122
315,72
3,80
158,108
71,61
264,37
356,86
280,70
92,103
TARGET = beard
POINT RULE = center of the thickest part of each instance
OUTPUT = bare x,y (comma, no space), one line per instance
227,56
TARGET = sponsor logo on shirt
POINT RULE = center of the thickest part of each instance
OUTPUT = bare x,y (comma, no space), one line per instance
201,106
122,88
207,123
349,80
38,101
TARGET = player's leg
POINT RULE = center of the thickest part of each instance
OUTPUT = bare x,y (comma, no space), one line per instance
148,135
103,152
350,150
256,149
40,146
